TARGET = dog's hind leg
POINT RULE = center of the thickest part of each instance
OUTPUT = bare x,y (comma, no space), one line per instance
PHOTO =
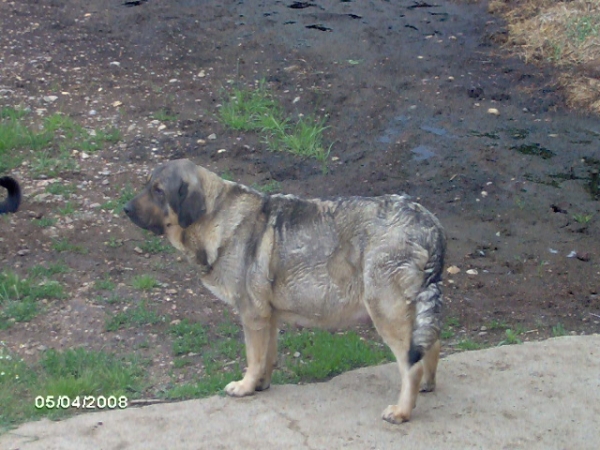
257,337
396,332
430,362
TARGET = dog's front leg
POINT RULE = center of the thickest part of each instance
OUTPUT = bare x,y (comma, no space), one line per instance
257,339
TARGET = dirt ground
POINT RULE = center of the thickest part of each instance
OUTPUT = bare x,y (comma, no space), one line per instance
419,97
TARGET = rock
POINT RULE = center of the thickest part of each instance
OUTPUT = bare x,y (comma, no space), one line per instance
50,98
493,111
212,137
453,270
472,272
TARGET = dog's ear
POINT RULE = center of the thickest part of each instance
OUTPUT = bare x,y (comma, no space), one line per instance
188,204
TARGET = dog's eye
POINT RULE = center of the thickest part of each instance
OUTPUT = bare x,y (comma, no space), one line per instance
158,191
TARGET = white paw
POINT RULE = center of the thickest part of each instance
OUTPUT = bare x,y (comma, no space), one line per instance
238,389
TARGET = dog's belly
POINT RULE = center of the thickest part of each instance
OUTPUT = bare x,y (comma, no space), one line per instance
337,316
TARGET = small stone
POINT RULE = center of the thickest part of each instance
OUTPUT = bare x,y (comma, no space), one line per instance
173,80
483,328
92,112
472,272
493,111
50,98
212,137
297,355
162,127
23,252
453,270
117,103
138,250
221,150
201,74
201,142
115,64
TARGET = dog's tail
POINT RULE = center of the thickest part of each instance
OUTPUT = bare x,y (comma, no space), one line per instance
429,301
13,200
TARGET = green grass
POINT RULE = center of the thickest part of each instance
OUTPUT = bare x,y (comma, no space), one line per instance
137,316
155,244
67,209
188,337
48,271
164,115
227,175
579,29
468,344
72,373
116,205
449,328
305,356
250,110
323,355
19,296
45,222
256,110
64,189
512,337
583,219
15,135
270,187
558,330
46,146
144,282
104,284
63,245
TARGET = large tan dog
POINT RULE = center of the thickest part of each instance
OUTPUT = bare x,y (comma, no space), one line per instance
325,263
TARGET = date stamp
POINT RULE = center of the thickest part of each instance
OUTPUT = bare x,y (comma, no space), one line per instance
89,402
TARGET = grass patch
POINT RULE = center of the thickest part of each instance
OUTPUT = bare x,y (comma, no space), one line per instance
558,330
144,282
512,337
46,146
188,337
19,296
45,222
105,284
72,373
116,205
562,33
63,245
256,110
156,245
136,316
164,115
270,187
316,355
468,344
63,189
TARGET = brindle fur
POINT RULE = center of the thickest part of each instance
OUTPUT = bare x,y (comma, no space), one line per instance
13,199
325,263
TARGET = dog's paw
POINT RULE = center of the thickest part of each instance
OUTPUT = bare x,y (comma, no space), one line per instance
238,389
392,414
427,387
263,385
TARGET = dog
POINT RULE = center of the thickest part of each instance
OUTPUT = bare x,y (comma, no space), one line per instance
13,199
320,262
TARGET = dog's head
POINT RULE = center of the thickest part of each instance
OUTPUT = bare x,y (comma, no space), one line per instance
174,196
